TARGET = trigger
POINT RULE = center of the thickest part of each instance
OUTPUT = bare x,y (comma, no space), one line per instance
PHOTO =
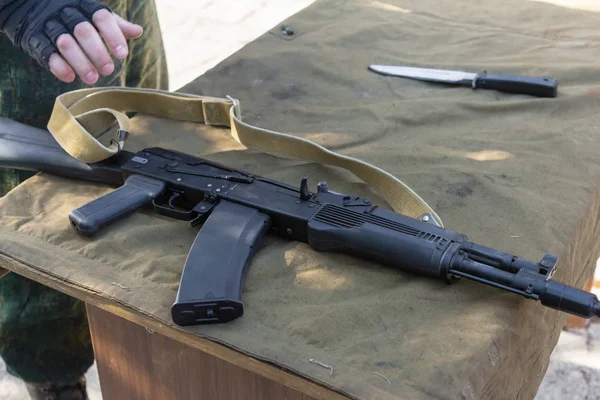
176,197
173,197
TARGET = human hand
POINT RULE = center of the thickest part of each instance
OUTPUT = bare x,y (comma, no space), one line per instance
66,36
84,52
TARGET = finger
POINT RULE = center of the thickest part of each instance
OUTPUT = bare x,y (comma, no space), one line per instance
60,69
91,43
75,57
106,23
129,29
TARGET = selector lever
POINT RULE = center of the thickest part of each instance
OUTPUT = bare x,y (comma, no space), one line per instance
304,193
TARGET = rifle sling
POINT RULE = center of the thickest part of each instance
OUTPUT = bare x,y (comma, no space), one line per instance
78,112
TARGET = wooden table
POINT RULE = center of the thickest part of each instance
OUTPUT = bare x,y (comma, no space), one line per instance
136,362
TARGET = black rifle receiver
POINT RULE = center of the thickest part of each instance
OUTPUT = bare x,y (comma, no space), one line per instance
237,208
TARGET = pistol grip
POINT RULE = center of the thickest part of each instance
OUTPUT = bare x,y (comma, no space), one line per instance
136,192
211,282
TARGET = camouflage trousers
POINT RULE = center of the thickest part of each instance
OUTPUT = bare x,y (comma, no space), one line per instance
44,334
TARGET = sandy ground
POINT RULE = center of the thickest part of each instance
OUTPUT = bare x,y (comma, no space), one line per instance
219,29
574,370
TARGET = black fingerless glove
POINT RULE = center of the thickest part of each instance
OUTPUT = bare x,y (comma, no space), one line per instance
34,25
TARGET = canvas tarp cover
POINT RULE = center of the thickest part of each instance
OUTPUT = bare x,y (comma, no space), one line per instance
512,172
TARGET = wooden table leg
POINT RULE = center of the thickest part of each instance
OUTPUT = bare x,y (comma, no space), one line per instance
134,363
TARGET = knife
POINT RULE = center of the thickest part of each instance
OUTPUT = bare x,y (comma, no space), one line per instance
531,85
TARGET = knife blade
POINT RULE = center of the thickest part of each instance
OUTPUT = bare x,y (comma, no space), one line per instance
519,84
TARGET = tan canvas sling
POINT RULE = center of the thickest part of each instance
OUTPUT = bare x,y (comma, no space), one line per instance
78,112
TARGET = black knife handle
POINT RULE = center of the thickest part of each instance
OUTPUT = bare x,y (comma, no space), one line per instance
531,85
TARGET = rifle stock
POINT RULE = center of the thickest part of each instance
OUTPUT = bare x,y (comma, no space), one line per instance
32,149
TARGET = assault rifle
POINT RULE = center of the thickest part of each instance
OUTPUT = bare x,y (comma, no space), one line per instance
237,208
